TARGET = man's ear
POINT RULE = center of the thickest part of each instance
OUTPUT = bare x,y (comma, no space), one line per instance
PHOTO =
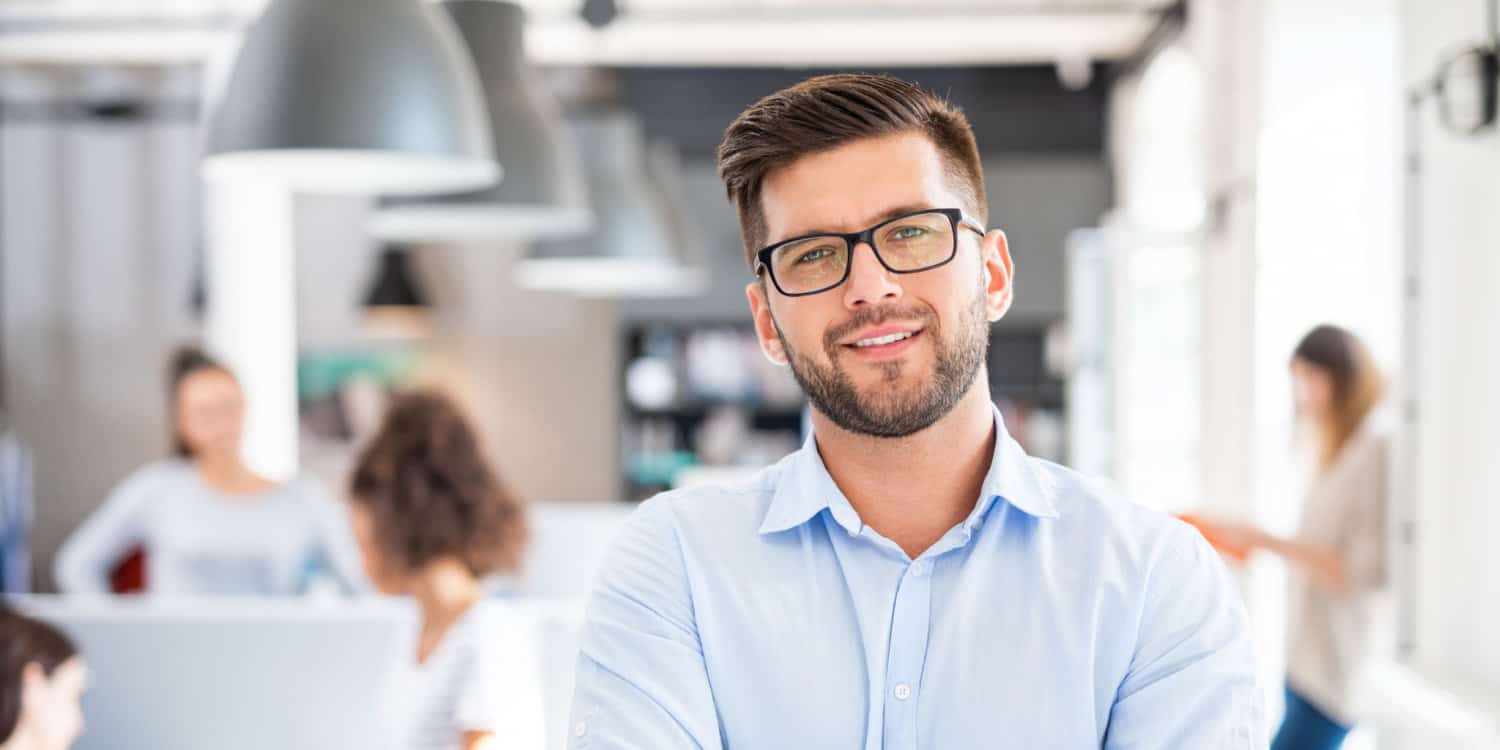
999,274
765,327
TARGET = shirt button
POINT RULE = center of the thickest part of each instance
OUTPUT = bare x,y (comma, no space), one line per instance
919,568
581,729
903,691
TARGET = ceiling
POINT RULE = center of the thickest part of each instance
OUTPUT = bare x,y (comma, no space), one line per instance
701,33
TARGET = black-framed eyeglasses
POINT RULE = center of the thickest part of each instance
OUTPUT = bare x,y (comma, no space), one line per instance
909,243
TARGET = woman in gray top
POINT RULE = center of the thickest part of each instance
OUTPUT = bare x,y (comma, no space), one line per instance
205,521
1340,612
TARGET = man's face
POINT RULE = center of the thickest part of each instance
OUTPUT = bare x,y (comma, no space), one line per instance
895,389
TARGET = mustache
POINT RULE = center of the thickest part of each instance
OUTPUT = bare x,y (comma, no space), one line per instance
874,316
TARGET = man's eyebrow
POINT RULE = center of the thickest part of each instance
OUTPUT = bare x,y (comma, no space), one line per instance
883,216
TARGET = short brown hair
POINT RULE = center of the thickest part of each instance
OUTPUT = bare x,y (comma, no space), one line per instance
432,494
829,111
23,641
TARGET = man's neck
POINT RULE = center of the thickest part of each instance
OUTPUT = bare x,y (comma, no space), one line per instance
912,490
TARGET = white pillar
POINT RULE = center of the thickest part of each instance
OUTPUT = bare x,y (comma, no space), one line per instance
251,322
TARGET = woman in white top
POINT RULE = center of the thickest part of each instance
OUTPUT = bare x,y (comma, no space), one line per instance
206,523
432,519
1340,612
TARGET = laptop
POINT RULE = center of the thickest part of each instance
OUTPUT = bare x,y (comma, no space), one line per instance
232,674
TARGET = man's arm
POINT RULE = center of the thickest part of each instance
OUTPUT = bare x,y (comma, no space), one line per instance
1191,682
641,680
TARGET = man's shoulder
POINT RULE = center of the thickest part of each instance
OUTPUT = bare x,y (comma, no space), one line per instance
722,515
736,507
1138,553
683,534
1092,510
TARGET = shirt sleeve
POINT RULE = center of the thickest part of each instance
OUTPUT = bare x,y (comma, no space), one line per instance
641,680
91,552
500,687
1191,681
333,537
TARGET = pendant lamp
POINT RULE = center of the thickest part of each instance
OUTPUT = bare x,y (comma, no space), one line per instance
351,96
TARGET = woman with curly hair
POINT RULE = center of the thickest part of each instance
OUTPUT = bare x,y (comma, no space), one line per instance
432,520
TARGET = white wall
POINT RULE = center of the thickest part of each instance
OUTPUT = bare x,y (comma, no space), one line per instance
98,242
1458,367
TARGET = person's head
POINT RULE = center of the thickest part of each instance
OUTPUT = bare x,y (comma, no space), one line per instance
422,493
207,406
42,678
840,154
1335,384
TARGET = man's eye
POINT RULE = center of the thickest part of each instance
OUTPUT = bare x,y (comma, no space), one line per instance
813,255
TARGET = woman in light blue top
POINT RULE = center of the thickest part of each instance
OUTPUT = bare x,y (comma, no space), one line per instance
206,522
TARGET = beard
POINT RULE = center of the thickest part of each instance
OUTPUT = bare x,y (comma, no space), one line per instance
887,409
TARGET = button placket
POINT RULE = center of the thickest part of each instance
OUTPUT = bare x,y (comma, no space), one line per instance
907,655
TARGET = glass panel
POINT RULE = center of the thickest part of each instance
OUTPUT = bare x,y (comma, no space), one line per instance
915,242
810,264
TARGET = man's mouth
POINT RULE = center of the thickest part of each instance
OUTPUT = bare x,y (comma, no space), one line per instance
882,343
883,340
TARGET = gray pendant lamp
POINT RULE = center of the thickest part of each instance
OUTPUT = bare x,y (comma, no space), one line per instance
352,96
634,250
543,193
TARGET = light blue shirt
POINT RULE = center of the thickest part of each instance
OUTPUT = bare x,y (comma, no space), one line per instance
1055,616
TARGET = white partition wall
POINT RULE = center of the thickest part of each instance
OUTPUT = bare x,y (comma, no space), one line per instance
1455,357
98,227
251,323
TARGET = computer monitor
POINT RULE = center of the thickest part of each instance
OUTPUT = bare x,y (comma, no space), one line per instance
231,674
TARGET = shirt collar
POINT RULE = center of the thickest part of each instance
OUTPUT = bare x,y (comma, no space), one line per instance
805,488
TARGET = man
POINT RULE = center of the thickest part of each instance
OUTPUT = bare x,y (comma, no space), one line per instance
910,578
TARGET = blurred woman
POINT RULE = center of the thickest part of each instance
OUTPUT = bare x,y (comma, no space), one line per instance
206,522
432,520
42,678
1339,608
